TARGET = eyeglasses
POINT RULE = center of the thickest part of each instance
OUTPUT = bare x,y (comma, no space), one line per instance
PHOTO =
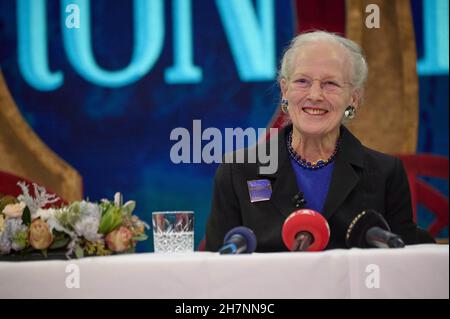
328,86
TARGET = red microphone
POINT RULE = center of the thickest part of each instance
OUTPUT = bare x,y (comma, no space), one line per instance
306,230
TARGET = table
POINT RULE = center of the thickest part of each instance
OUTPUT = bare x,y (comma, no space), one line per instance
419,271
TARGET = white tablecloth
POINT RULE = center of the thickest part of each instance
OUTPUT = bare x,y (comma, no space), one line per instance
420,271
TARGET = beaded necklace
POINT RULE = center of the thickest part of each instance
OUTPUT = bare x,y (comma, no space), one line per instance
310,165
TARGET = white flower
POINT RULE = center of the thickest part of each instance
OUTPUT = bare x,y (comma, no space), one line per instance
5,242
17,233
50,217
45,214
41,197
90,209
87,227
14,210
118,199
89,222
11,228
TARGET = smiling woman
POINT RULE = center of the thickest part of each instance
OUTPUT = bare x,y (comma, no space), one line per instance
322,79
321,76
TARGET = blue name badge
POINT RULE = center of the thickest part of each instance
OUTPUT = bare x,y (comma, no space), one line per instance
259,190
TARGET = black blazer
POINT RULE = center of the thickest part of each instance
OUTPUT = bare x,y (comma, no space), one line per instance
362,178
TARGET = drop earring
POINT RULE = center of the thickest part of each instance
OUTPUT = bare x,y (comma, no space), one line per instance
284,106
350,112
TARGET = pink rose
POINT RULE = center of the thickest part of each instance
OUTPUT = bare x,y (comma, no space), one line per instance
119,239
14,210
40,235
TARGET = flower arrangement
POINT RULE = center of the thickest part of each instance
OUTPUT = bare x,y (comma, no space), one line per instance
29,224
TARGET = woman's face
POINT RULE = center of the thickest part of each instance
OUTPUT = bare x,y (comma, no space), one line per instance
318,89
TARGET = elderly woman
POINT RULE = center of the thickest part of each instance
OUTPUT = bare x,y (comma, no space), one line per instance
321,165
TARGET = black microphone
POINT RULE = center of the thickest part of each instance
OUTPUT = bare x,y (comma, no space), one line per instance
370,229
299,200
239,240
381,238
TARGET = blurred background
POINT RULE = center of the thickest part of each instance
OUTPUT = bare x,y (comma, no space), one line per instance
90,90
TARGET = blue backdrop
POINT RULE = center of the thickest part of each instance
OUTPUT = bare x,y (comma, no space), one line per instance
113,128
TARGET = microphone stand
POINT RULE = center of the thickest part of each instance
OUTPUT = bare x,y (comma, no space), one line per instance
303,240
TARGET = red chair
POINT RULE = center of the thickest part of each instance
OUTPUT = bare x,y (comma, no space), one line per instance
201,245
423,193
8,186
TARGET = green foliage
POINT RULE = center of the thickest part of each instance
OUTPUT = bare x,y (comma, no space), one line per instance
140,237
128,208
69,216
79,253
111,219
21,238
26,216
60,240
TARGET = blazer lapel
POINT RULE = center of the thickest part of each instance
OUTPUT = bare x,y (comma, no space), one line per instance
284,189
344,177
343,180
284,183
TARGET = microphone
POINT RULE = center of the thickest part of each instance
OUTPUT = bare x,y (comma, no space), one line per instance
239,240
370,229
298,200
305,230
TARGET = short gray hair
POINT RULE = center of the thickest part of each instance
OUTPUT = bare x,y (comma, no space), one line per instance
356,54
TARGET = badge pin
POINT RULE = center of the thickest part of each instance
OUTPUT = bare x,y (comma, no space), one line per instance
259,190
